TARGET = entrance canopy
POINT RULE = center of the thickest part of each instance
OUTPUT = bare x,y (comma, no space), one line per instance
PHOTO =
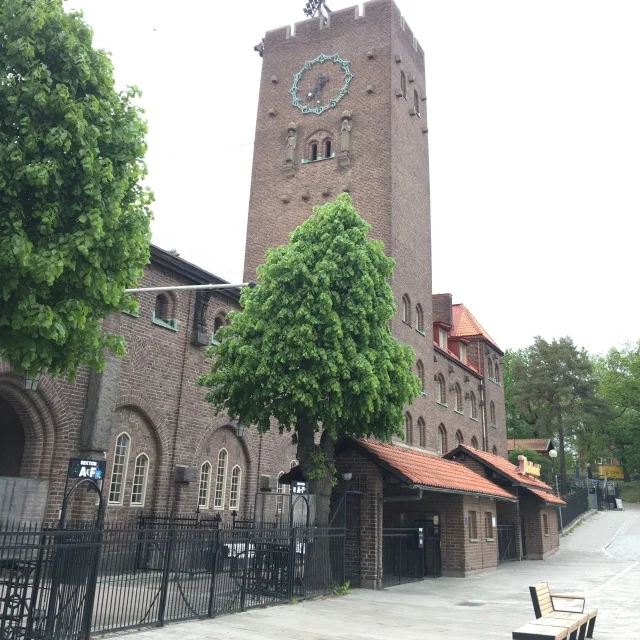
417,468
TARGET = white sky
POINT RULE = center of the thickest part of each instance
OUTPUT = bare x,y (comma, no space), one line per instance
534,125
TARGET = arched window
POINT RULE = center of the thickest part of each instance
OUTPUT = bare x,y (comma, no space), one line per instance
139,489
327,148
205,485
416,102
496,374
314,151
441,390
473,407
280,496
294,464
419,318
420,368
442,440
422,432
474,442
234,492
406,309
119,470
458,398
408,428
492,414
403,84
162,307
459,438
218,323
221,480
495,450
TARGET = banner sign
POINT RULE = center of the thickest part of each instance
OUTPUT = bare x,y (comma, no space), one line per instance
528,467
299,488
93,469
610,471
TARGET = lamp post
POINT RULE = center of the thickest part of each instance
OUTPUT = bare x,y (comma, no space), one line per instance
553,454
241,429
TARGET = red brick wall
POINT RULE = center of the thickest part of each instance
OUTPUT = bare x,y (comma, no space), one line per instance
539,545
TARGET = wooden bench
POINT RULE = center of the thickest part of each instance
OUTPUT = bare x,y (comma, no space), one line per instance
544,608
540,630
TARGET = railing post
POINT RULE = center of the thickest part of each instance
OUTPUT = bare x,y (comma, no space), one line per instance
245,568
214,573
92,581
165,577
292,563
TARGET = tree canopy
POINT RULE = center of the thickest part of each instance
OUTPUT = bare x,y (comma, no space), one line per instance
312,348
74,218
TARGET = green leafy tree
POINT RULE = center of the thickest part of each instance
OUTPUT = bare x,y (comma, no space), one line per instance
619,384
555,392
517,426
74,219
312,349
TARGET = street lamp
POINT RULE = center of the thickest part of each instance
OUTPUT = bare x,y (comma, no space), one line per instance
553,454
241,429
31,381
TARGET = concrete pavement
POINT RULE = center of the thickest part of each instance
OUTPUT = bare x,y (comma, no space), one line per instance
600,559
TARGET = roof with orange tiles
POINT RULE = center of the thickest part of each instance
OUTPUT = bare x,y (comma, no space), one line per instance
546,496
465,324
426,470
502,466
534,444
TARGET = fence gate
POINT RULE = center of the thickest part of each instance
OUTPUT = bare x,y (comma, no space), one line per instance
402,558
507,548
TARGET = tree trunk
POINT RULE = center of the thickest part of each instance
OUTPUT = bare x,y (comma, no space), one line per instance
307,451
563,462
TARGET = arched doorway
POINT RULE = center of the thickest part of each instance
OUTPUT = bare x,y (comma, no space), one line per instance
12,450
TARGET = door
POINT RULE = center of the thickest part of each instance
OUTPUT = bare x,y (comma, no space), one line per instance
432,553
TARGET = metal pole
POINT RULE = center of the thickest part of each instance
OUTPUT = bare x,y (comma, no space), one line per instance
559,508
194,287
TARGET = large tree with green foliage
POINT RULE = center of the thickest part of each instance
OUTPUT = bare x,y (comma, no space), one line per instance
312,350
555,391
74,219
619,385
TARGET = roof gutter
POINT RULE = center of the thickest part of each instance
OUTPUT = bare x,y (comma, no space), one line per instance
457,492
412,498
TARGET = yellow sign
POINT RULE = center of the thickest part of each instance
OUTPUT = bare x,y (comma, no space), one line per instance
616,473
528,467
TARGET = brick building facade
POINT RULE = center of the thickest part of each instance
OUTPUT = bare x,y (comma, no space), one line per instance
166,451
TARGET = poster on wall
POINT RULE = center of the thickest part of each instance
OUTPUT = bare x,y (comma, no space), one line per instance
82,468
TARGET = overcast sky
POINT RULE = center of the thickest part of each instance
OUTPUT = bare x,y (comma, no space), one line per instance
534,126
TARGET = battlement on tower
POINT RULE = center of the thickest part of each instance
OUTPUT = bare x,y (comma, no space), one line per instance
344,20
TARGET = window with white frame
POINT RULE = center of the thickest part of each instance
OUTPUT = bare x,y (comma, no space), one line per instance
442,342
234,492
221,480
473,406
463,352
119,471
280,496
205,485
458,398
139,489
294,464
441,391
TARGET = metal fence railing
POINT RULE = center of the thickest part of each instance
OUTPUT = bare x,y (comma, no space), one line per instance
403,559
66,585
577,504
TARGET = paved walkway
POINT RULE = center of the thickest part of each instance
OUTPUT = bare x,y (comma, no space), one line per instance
600,559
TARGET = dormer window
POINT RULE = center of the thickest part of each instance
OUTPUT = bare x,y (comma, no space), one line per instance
442,341
463,353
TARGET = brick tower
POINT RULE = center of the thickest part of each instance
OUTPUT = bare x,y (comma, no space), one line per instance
342,107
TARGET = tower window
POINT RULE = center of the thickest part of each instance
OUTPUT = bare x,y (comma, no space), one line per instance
314,151
406,309
408,428
327,149
419,319
416,102
162,307
403,84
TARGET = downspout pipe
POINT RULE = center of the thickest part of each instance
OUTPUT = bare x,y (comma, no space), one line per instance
483,415
411,498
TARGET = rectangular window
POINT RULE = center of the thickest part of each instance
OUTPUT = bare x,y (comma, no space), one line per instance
119,472
545,523
221,480
463,353
488,523
234,493
443,339
473,526
203,490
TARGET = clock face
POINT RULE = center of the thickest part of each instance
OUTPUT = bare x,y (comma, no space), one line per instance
321,84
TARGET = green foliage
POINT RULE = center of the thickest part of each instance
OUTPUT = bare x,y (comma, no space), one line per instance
313,344
630,491
619,384
516,426
342,590
74,220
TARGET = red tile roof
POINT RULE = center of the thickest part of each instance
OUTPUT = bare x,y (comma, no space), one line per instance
547,497
427,470
506,468
465,324
534,444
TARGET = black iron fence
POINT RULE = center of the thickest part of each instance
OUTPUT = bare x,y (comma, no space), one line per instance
65,585
403,557
577,504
